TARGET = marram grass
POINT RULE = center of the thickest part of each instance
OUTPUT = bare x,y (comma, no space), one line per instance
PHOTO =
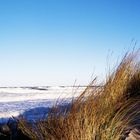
108,112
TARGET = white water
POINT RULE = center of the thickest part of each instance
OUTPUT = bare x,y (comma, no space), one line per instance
32,100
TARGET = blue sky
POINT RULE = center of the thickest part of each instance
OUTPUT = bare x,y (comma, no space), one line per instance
55,42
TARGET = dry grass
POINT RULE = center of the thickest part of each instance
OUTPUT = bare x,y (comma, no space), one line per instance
101,113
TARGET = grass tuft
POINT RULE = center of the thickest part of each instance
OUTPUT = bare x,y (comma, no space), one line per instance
108,112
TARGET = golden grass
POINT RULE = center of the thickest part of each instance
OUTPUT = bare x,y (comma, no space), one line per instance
100,113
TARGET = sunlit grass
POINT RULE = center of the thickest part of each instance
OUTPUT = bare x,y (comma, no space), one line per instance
107,112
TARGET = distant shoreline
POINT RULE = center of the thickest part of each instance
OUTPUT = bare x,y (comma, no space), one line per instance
45,86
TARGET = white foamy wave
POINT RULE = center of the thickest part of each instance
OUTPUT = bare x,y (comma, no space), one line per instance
15,101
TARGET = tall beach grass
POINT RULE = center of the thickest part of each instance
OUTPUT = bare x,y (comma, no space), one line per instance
110,111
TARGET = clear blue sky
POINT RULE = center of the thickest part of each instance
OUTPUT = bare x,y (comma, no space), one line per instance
55,42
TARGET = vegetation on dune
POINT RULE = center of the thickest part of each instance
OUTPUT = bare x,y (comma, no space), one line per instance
108,112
